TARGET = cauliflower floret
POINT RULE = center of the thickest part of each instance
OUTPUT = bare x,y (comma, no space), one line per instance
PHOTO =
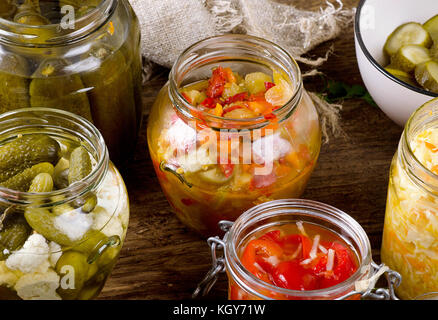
113,226
195,160
55,253
31,256
74,224
38,286
270,148
8,277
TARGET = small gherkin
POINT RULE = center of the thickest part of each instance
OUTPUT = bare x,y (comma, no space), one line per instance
14,88
23,180
13,233
25,152
82,7
80,165
112,93
53,86
7,9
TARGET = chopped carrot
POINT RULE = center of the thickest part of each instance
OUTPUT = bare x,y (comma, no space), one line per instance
431,147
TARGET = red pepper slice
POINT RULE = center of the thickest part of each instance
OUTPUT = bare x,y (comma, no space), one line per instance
254,254
291,275
273,236
291,243
237,97
209,103
186,97
227,169
269,85
217,82
188,201
270,116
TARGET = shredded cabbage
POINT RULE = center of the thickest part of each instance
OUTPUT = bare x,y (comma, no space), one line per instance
410,238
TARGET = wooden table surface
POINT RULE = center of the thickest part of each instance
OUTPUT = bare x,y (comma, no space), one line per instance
162,259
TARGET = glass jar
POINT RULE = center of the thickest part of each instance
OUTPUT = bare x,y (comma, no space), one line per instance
63,250
243,285
85,59
410,236
199,193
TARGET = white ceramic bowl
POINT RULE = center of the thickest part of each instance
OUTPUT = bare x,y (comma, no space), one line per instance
375,21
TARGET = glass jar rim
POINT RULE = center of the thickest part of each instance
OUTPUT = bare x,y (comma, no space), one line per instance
14,33
75,190
318,210
417,168
187,110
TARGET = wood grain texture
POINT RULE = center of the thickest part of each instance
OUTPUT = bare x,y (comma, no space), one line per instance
162,259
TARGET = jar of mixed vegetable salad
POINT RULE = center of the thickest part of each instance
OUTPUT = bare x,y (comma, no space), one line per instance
64,207
81,56
296,250
232,128
410,237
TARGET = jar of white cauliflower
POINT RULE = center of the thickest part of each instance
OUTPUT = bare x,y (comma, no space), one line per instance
64,207
410,237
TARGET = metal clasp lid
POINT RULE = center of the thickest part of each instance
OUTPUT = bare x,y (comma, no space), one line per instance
365,288
218,263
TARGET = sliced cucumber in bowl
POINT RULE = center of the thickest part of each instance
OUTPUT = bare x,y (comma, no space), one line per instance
409,56
406,34
426,75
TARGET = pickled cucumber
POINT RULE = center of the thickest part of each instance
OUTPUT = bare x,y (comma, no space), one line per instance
408,33
42,221
7,9
60,175
25,152
23,180
431,26
426,75
402,75
113,93
31,18
80,165
409,56
14,91
13,234
53,87
82,7
90,204
74,265
43,182
62,208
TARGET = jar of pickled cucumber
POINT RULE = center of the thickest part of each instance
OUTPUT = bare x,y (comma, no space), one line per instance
410,236
64,207
232,128
81,56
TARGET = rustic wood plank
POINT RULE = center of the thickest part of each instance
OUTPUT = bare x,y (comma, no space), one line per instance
161,259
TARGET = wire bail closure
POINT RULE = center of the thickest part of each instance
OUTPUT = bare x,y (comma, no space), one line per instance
365,288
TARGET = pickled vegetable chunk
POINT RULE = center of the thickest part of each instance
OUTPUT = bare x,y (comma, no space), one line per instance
52,88
25,152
